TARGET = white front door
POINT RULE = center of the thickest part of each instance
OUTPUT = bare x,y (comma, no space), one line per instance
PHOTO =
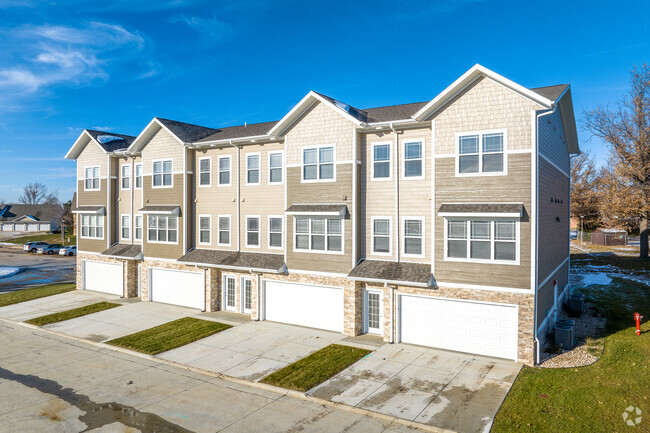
246,294
229,292
373,311
182,288
103,277
304,304
463,326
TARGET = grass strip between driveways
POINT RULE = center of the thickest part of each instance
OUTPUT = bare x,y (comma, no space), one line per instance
316,368
23,295
169,335
71,314
49,238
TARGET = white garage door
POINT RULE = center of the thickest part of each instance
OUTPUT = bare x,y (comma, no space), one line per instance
44,227
103,277
472,327
177,287
33,227
305,305
20,227
7,227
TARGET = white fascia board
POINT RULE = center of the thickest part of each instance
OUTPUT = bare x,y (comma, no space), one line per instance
228,141
469,77
161,212
480,214
101,211
304,104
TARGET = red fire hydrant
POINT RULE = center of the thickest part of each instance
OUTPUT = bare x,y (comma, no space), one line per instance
637,319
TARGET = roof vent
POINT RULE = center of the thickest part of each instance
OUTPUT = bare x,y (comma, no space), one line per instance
103,139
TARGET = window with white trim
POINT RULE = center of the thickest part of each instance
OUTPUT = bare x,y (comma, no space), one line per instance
275,232
125,226
137,233
319,234
253,169
414,237
318,163
275,167
125,174
481,153
162,173
381,236
224,231
91,178
482,240
205,229
413,159
162,229
252,231
381,167
92,226
205,171
224,170
138,176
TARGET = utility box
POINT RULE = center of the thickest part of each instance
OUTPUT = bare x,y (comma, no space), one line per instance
564,335
609,237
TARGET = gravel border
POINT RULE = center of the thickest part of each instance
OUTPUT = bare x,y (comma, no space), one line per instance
587,325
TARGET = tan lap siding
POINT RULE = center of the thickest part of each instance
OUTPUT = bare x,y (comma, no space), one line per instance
515,187
553,242
163,196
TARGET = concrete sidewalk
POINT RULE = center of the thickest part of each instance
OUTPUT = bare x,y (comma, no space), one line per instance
52,384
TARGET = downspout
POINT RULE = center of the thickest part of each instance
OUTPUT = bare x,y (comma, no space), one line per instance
108,228
535,224
185,212
354,218
132,185
397,223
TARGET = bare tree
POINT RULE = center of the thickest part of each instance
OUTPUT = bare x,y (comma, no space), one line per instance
51,198
34,193
626,129
585,185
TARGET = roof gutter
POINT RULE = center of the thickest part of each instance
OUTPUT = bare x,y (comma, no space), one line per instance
243,140
394,282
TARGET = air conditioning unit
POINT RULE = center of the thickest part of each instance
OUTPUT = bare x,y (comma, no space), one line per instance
564,335
577,303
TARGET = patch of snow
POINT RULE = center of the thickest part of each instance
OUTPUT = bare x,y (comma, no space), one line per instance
595,278
7,271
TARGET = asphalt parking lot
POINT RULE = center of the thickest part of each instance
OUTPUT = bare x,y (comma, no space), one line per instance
36,269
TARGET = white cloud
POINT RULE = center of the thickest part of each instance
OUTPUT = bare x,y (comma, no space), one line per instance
53,54
212,31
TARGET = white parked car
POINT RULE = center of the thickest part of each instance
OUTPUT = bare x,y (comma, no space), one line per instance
68,251
32,247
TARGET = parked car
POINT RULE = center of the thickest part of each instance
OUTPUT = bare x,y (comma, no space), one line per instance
573,234
68,251
32,247
50,249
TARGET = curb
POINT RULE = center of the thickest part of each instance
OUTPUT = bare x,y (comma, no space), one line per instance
257,385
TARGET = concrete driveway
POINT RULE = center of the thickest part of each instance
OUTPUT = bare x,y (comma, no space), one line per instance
53,304
444,389
252,350
127,319
54,384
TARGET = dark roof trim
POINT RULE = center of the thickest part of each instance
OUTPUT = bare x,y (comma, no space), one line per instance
99,210
161,209
235,260
515,210
386,272
318,209
123,251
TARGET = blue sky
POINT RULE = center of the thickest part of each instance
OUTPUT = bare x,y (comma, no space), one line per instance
116,65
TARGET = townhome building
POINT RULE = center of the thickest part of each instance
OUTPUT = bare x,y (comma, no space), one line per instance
443,223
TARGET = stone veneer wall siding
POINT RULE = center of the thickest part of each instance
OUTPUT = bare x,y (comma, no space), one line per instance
525,301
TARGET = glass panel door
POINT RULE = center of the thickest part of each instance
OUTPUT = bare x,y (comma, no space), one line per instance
229,292
373,312
247,293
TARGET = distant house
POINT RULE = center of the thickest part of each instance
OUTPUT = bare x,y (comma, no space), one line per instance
30,217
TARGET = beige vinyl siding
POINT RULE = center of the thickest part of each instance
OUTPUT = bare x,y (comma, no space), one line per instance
137,200
515,187
485,105
552,142
217,200
91,245
377,197
553,242
92,155
546,293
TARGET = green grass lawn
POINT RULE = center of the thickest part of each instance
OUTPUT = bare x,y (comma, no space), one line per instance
592,398
34,293
71,314
316,368
170,335
50,239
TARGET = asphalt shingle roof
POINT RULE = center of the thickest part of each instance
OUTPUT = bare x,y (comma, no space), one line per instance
124,250
418,273
550,92
186,131
239,131
481,208
42,212
235,259
317,208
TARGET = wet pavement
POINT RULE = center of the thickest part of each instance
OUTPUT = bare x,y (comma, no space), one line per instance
52,384
36,269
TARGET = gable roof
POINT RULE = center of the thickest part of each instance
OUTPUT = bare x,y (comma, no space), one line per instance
39,212
88,135
393,112
186,132
551,92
